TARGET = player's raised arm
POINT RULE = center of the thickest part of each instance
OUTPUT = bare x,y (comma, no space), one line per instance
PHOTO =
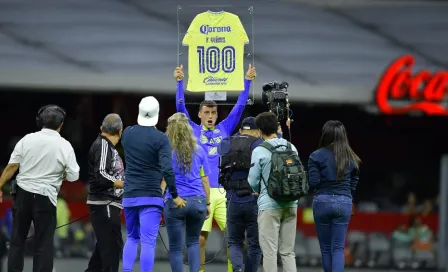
180,97
235,114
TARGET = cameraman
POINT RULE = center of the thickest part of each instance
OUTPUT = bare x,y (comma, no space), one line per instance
43,159
242,206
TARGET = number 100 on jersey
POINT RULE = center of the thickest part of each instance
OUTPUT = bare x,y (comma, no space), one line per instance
215,52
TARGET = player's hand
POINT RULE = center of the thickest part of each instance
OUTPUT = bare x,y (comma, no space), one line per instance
179,202
208,212
118,184
179,73
1,195
251,73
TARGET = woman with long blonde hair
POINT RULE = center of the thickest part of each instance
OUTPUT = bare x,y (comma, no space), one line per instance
191,171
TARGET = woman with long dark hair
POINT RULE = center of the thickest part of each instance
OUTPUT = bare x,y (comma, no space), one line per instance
191,169
333,172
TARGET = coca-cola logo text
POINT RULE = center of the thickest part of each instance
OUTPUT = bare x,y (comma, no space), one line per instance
424,91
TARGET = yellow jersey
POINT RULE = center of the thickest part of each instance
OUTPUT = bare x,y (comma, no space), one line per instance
215,43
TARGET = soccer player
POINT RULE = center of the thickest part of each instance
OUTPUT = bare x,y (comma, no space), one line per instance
209,135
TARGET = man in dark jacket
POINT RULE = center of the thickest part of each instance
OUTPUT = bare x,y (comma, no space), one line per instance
106,175
242,207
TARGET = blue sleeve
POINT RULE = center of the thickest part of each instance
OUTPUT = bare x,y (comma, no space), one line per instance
313,171
166,165
224,146
204,161
123,136
180,101
354,179
235,114
255,144
255,170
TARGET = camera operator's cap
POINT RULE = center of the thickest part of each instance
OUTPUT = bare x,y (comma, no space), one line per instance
148,112
248,123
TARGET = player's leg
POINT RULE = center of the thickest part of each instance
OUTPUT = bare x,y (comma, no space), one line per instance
133,237
206,228
96,218
235,233
194,222
149,228
339,225
269,229
21,214
175,225
202,243
44,218
221,219
287,239
253,258
322,212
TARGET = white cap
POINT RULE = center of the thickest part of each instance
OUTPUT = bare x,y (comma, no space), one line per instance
148,112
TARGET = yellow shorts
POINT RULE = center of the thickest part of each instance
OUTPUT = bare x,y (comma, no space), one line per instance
218,210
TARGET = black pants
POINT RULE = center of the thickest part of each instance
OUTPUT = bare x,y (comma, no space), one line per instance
109,242
29,207
241,220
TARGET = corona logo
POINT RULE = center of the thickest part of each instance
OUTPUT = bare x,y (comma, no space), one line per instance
425,90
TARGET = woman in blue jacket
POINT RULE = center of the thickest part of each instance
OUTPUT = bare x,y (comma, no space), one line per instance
334,174
191,171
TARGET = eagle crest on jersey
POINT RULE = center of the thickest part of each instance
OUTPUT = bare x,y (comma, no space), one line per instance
215,43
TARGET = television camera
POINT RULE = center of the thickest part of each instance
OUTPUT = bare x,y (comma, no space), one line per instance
275,96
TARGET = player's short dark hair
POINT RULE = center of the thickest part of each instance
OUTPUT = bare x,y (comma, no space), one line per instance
267,122
51,117
208,104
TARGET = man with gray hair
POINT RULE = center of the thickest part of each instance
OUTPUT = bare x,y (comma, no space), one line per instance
106,176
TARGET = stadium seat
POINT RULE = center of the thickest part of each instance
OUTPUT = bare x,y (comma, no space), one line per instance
401,253
379,250
425,258
357,242
300,249
313,248
367,206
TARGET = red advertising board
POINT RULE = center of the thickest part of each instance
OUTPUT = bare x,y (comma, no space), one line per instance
385,222
422,91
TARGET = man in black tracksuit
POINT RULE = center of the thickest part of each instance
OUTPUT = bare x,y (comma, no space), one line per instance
106,176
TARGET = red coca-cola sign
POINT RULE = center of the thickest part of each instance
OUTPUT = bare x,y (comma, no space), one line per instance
424,91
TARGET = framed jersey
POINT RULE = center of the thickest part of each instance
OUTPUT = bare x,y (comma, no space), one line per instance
215,41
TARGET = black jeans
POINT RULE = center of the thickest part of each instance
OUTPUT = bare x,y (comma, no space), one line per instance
241,218
37,208
109,242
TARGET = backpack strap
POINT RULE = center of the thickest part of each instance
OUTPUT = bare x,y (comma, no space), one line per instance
272,148
268,146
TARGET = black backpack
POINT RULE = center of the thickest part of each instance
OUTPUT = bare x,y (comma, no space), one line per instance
287,178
